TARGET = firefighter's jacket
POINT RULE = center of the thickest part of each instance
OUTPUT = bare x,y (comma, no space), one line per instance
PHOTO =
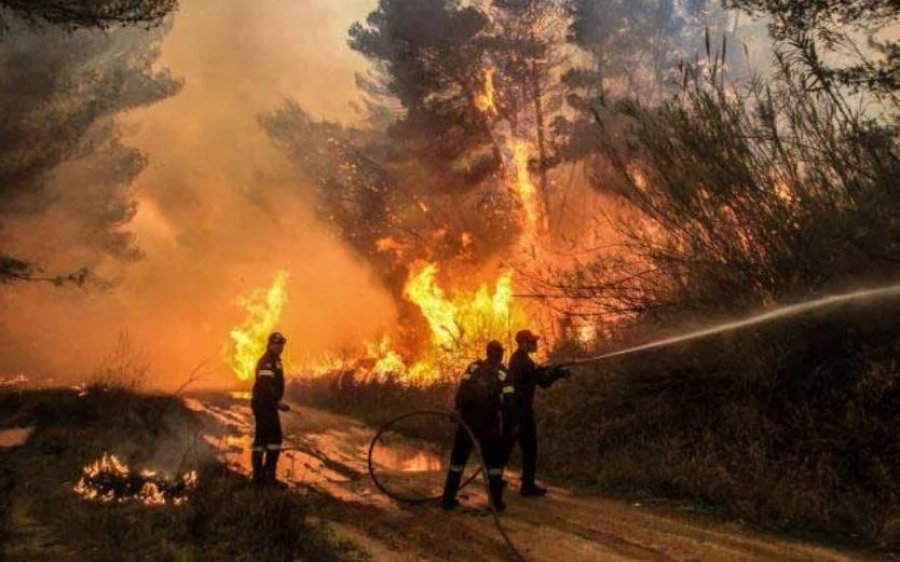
268,386
526,376
486,396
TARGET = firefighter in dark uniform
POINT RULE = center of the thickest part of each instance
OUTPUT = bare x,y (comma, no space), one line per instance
485,401
268,391
526,376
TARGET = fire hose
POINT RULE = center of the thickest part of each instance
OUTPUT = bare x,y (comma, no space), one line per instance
778,313
482,469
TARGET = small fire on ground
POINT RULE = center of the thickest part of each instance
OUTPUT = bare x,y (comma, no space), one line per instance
109,480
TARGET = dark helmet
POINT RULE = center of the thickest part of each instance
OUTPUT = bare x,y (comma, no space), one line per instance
276,337
526,336
495,350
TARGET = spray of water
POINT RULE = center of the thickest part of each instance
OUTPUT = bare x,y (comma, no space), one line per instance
776,314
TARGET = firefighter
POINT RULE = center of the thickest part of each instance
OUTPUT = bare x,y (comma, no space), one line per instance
268,391
526,376
485,401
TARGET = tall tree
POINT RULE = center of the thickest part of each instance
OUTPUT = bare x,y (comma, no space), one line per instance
61,92
526,39
429,56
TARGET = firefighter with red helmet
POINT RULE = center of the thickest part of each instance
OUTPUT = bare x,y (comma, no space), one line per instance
268,392
526,377
485,401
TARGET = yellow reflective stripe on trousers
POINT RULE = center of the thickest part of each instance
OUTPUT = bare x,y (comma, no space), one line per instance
509,390
495,472
457,468
273,447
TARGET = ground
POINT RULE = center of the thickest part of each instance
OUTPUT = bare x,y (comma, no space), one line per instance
331,464
331,511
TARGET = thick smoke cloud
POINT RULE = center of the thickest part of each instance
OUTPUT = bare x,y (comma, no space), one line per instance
215,212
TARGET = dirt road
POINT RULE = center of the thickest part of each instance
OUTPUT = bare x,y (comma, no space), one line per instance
328,463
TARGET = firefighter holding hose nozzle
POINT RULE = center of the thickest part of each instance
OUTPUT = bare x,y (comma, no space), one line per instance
486,402
268,392
526,377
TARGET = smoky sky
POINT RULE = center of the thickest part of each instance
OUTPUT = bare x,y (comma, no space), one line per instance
215,210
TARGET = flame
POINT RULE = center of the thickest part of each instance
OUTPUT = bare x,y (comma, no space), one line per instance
485,101
150,494
459,325
525,189
109,480
263,313
388,244
388,361
586,334
440,313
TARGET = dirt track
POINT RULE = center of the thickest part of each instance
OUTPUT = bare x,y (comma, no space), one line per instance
329,464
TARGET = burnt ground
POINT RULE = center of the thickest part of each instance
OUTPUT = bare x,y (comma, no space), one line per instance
328,466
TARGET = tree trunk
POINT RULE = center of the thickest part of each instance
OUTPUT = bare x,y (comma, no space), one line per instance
537,97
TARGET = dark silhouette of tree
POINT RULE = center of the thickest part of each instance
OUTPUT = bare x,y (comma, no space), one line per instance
61,91
73,14
429,56
524,45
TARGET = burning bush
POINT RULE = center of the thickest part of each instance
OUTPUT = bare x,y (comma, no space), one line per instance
746,201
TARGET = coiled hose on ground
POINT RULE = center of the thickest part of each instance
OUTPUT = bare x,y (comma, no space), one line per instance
444,414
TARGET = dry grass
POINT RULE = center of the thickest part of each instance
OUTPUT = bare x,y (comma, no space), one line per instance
226,519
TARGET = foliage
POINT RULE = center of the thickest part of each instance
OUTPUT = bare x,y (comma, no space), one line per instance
744,198
817,27
73,14
767,196
427,55
388,209
62,91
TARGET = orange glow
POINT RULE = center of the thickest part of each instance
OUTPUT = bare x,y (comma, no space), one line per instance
525,189
384,245
485,101
263,313
460,323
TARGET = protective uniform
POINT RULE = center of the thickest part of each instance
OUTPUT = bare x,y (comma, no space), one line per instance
485,401
268,390
526,376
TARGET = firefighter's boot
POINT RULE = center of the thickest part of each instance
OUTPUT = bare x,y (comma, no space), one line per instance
256,460
271,468
496,485
448,501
